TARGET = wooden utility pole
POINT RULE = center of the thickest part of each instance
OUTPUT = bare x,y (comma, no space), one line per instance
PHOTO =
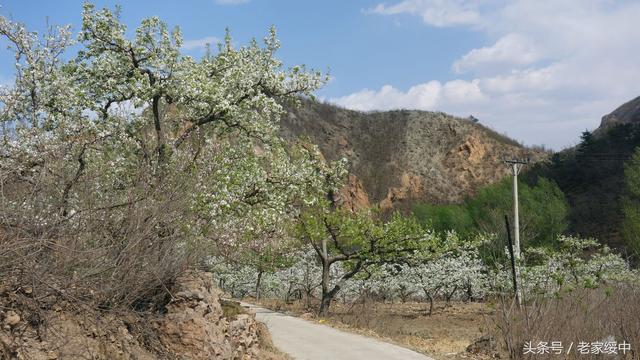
516,165
514,272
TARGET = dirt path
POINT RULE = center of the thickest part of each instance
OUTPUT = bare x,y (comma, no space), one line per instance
304,340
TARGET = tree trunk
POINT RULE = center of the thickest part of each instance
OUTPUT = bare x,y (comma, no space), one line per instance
290,293
448,296
329,295
258,283
157,122
324,305
428,294
326,298
307,299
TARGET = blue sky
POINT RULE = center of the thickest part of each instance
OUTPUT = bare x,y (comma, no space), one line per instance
540,71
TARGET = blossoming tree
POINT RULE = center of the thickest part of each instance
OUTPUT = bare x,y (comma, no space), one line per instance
143,156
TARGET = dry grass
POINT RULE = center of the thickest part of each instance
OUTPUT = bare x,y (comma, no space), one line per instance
116,255
132,269
101,244
600,315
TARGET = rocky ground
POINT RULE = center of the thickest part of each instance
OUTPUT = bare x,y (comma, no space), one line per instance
195,324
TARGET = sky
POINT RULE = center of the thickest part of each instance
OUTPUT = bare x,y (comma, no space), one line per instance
539,71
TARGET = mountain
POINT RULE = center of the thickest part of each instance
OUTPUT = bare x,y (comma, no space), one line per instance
591,174
627,113
401,157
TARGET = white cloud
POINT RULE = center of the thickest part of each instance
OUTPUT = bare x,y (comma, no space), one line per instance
549,69
427,96
460,91
200,43
231,2
434,12
510,50
423,96
528,80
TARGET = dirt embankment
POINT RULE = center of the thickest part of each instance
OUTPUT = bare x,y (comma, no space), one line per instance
195,324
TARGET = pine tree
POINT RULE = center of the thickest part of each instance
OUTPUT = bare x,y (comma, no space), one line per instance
631,203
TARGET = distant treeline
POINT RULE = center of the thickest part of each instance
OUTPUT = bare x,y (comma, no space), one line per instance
544,212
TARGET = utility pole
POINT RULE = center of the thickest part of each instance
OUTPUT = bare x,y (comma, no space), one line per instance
516,165
514,272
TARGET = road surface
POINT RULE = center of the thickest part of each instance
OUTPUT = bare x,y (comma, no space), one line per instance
304,340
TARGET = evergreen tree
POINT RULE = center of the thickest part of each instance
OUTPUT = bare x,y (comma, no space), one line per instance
631,203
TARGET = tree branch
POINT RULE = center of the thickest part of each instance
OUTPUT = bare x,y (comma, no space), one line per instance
76,177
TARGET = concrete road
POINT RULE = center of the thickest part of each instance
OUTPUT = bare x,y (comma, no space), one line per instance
305,340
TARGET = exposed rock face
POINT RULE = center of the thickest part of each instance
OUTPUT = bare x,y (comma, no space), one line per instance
193,327
243,336
472,150
411,188
400,157
353,195
626,113
71,335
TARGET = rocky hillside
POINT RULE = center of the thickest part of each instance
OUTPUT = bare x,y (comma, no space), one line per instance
400,157
196,324
627,113
591,174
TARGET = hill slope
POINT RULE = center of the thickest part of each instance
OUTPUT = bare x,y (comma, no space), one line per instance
592,174
400,157
627,113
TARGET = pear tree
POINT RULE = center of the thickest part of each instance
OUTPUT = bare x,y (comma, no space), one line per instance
141,155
